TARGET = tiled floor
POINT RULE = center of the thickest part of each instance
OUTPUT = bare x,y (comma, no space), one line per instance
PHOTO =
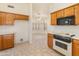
26,49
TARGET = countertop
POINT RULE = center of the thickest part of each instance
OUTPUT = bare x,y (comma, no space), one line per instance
75,37
4,33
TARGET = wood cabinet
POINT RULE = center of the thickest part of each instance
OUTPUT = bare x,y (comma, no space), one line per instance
6,41
53,19
21,17
2,18
0,42
6,18
77,14
75,47
50,40
60,13
9,19
69,11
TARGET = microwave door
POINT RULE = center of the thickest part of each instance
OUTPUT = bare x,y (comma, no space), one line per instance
60,21
70,20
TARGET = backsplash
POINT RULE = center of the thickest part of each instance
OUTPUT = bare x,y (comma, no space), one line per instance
4,29
64,29
20,30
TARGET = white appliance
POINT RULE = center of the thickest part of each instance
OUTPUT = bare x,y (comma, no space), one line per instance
63,45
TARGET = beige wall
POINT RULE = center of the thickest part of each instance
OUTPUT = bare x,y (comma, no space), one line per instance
39,14
20,8
57,6
40,8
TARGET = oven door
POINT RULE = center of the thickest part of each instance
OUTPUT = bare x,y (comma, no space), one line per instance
62,47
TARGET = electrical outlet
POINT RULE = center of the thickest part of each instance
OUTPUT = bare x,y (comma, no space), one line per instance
21,39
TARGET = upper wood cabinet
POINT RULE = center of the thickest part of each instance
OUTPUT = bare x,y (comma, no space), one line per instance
2,18
77,14
6,19
69,11
9,19
21,17
60,13
75,47
50,40
53,18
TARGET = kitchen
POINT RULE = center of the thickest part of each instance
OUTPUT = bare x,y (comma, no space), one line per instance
64,28
51,29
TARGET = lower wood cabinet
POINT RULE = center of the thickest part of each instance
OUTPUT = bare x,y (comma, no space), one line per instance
50,40
6,41
75,47
0,42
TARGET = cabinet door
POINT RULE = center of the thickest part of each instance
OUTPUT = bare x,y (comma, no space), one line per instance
21,17
77,14
60,14
2,18
9,19
69,11
53,19
75,48
0,42
8,41
50,40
